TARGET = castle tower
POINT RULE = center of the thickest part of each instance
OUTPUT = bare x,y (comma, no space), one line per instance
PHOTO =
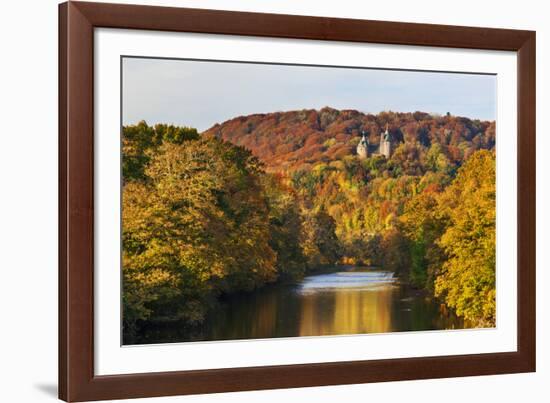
363,147
385,143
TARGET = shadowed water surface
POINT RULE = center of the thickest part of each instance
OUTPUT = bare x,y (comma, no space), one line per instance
352,301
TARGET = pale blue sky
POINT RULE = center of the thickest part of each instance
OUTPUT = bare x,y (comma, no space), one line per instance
200,94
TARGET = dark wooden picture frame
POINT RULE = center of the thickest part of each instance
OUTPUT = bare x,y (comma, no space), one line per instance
77,381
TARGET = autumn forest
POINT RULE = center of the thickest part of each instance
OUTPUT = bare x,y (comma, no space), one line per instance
271,198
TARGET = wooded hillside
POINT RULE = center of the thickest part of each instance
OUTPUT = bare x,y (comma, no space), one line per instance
269,197
300,139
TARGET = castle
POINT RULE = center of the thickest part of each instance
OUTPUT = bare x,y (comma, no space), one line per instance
383,149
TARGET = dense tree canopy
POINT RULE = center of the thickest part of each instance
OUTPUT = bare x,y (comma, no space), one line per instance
300,139
200,220
269,197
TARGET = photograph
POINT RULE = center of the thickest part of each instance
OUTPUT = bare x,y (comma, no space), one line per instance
275,200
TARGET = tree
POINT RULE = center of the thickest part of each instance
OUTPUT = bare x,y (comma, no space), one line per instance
140,141
322,246
422,226
394,252
285,228
198,224
436,160
467,278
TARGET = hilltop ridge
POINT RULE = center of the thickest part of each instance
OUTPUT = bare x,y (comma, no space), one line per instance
302,138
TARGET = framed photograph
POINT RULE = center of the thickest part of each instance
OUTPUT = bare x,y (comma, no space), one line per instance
255,201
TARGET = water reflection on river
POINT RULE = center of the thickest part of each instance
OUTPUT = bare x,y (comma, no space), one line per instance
354,301
346,303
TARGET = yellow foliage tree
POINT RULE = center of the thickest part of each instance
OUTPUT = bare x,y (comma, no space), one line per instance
467,277
198,223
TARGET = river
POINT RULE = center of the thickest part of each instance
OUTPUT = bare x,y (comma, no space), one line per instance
351,301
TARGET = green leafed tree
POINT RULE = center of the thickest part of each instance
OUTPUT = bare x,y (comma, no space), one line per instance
322,246
285,227
422,226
